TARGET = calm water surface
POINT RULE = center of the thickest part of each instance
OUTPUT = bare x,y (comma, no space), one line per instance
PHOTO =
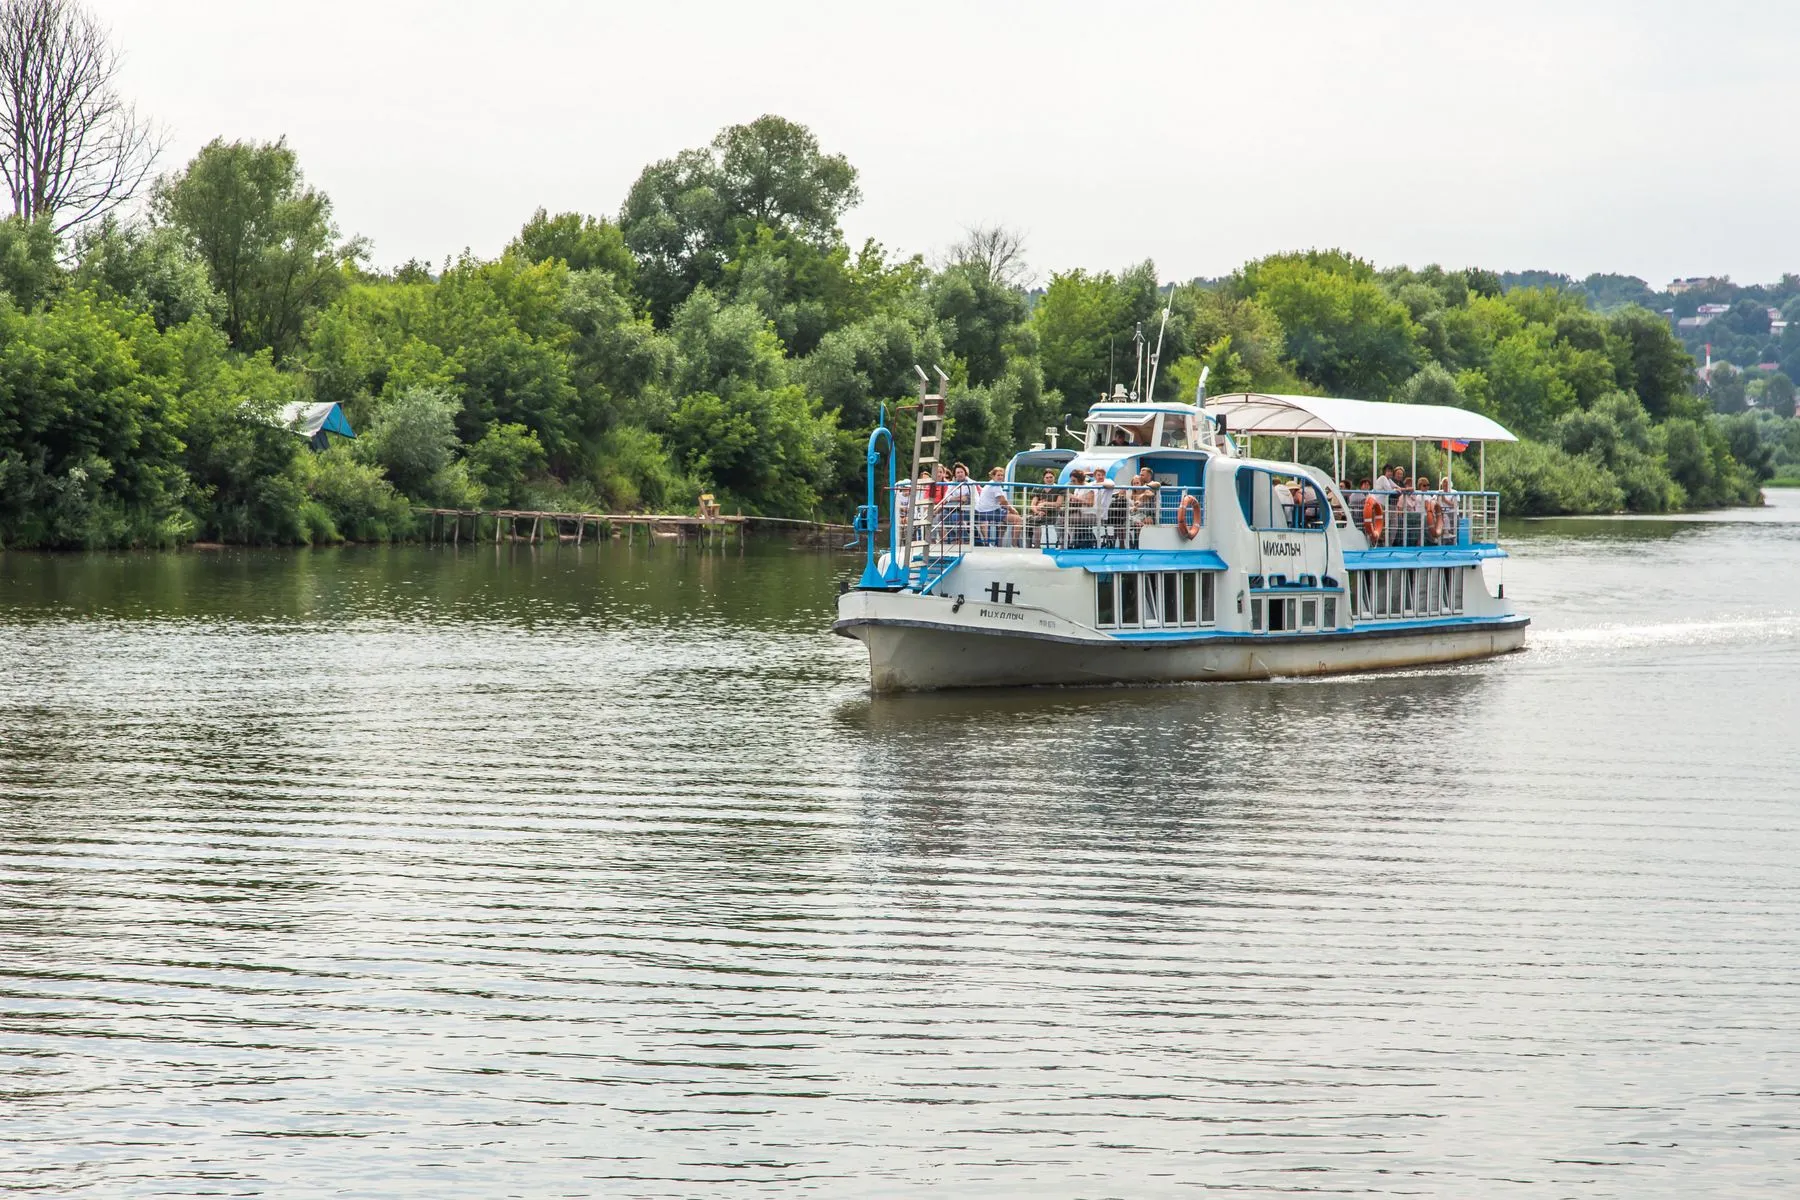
380,872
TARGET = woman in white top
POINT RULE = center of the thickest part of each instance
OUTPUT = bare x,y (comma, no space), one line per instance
992,508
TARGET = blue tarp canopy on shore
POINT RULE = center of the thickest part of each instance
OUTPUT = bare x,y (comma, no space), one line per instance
315,422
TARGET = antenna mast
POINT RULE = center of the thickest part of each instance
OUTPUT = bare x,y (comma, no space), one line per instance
1137,379
1150,395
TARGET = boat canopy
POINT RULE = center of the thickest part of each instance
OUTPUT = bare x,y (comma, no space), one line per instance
1260,415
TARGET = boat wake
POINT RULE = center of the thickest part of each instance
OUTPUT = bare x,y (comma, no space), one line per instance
1772,629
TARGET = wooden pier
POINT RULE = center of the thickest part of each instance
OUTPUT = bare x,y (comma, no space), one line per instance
523,525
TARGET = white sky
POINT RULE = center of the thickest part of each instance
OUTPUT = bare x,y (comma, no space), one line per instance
1641,136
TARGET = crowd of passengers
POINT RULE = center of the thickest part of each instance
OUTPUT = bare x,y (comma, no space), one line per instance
1395,509
1091,510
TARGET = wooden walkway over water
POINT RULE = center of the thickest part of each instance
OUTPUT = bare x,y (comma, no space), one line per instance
525,525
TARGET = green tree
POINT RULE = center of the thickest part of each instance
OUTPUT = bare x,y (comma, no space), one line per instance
983,319
504,460
148,268
244,482
267,239
1727,389
413,437
685,214
1343,331
28,266
87,452
1654,363
1777,395
1432,385
581,243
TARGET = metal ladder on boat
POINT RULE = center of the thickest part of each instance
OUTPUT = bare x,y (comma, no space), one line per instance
923,568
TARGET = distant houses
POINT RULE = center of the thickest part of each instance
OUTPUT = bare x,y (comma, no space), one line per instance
1705,315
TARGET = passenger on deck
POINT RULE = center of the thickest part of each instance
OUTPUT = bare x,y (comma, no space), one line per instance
958,496
994,509
1081,501
1409,522
1146,497
1046,507
940,482
1384,482
1447,514
1106,521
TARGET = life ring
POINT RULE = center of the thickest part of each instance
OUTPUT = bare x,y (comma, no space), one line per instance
1374,517
1190,507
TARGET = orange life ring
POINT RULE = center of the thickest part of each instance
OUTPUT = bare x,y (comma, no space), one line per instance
1190,506
1374,517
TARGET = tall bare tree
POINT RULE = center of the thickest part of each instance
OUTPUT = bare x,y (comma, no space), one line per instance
71,148
995,250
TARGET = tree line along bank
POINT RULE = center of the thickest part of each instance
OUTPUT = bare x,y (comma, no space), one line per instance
721,335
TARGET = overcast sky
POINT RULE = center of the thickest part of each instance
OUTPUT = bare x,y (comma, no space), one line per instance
1637,136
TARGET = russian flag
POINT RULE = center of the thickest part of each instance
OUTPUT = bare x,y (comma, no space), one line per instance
1454,446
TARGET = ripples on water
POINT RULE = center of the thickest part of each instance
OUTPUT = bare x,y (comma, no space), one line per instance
382,872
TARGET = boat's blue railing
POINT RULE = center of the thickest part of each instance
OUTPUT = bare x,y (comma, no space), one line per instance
1036,516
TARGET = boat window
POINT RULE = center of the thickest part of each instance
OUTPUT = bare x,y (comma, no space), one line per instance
1256,614
1106,613
1279,613
1128,599
1175,432
1458,582
1378,585
1407,599
1331,612
1309,613
1208,599
1171,585
1152,610
1437,592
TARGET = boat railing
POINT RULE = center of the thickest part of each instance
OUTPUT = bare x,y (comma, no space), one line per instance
1426,518
1038,516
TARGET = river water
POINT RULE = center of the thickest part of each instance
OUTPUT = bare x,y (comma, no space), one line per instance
370,872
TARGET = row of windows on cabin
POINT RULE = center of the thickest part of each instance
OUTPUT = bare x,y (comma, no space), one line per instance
1155,599
1286,614
1414,592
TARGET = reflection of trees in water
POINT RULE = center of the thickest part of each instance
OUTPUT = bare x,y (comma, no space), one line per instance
768,584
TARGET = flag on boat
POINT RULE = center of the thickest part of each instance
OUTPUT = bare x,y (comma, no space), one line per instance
1454,445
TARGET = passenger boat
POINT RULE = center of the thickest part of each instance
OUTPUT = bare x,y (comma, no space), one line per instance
1226,567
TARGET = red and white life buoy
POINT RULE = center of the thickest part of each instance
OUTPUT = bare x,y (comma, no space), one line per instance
1187,517
1374,517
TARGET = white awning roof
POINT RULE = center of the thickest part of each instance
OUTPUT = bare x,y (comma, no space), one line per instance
1326,416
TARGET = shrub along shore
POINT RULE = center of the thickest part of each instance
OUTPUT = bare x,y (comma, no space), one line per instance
719,334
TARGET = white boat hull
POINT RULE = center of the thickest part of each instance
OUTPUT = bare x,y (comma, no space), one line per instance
923,650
